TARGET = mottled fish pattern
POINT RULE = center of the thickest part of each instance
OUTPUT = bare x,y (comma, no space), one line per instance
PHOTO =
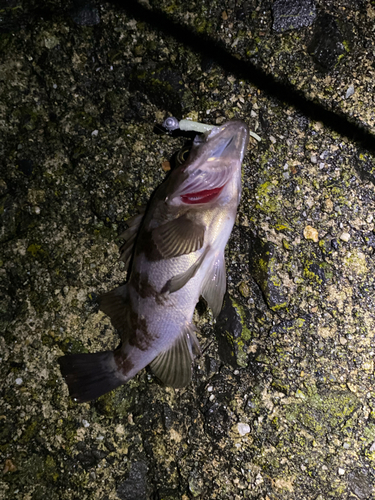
178,255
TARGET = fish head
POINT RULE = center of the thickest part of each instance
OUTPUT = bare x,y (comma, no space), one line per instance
212,171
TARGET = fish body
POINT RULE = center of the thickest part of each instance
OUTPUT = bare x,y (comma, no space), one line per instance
178,256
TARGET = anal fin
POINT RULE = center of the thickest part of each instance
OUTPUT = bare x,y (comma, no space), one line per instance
173,366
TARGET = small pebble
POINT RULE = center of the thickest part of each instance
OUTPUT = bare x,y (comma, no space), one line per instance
328,205
166,166
85,423
311,233
349,92
345,237
341,471
19,381
243,429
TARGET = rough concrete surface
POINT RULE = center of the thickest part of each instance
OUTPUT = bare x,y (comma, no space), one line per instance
282,403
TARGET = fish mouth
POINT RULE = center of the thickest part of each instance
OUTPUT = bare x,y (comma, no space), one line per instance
216,156
204,196
228,141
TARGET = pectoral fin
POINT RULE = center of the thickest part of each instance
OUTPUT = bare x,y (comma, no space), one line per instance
173,367
178,237
180,280
214,286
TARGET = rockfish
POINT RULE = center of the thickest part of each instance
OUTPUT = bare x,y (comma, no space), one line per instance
178,255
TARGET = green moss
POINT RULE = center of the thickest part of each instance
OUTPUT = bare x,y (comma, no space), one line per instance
280,386
72,346
265,201
324,414
356,262
299,323
243,288
277,307
50,469
281,226
116,403
36,250
29,432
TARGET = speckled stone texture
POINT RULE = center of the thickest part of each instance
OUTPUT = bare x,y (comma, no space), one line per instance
282,403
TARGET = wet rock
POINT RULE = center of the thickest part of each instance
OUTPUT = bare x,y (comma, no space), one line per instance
89,457
334,244
195,484
364,164
26,166
293,14
217,421
134,488
370,239
168,417
85,13
232,333
263,260
162,86
316,271
361,484
9,218
327,44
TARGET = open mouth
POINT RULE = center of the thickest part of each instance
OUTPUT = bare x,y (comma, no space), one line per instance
204,196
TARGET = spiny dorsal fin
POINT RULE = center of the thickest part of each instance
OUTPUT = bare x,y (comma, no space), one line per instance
173,367
178,237
129,235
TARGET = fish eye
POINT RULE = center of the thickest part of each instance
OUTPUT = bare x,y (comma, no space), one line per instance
182,155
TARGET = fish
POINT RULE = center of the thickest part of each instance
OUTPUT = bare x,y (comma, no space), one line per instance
176,248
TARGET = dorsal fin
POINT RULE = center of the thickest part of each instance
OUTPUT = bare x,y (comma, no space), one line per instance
130,235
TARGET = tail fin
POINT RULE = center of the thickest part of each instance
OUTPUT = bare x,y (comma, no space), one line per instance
90,375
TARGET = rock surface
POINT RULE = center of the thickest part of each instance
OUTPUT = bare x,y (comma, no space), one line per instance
282,403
